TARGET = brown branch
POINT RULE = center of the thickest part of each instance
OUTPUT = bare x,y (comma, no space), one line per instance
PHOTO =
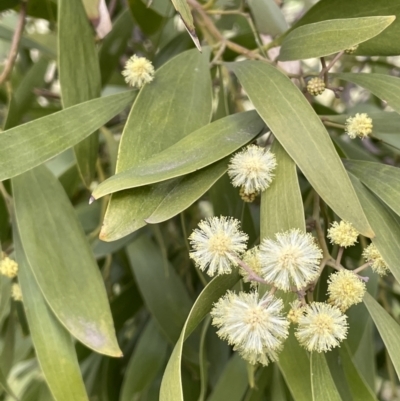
15,43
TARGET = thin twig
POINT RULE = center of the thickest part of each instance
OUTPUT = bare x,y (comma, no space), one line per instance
252,275
339,255
15,43
327,68
362,267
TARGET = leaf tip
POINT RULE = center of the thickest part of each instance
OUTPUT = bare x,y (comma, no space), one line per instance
91,199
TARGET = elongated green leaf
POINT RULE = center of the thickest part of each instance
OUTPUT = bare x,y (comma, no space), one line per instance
54,347
147,359
384,86
358,387
186,191
281,210
28,145
281,203
195,151
79,74
381,179
175,104
114,45
268,17
384,224
23,96
203,362
327,37
161,288
233,382
182,7
388,329
61,260
300,131
323,386
171,386
385,44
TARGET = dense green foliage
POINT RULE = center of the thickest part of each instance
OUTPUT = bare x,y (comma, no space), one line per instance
101,185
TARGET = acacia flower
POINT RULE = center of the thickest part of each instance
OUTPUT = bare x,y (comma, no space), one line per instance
8,267
293,259
345,289
252,259
372,255
255,327
296,311
251,169
351,49
343,234
315,86
322,327
359,125
138,71
16,292
216,244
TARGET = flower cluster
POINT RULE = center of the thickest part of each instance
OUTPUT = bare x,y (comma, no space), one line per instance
255,327
8,267
343,234
315,86
373,256
360,125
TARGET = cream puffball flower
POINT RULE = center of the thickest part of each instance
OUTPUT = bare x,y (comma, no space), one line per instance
8,267
16,292
255,327
216,244
345,289
372,255
359,125
343,234
292,259
251,169
138,71
296,311
322,327
252,259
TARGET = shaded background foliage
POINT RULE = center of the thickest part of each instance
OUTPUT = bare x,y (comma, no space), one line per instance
116,274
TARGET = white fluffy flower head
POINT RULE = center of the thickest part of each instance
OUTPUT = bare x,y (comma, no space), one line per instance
216,244
251,169
16,292
342,234
322,327
372,255
359,125
345,289
138,71
293,259
255,327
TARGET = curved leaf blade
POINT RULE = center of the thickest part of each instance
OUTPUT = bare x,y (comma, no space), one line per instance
282,210
62,261
323,386
147,359
79,74
388,329
186,191
384,86
199,149
385,44
31,144
381,179
321,39
300,131
54,347
160,111
384,224
171,385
